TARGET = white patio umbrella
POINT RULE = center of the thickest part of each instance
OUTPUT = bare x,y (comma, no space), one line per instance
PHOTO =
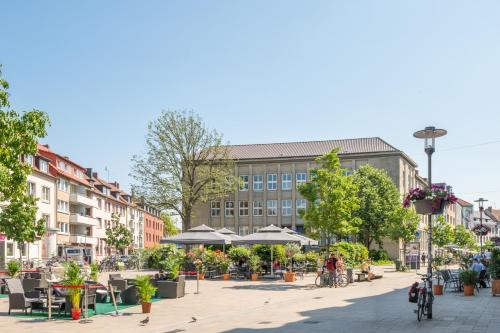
303,239
229,233
198,235
270,235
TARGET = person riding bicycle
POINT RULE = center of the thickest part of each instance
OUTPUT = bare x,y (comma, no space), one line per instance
331,267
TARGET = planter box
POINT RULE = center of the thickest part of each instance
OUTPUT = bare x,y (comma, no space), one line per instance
146,307
468,290
438,289
254,277
427,207
289,277
171,289
495,287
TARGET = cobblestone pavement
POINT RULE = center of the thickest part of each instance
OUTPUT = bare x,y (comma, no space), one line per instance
268,307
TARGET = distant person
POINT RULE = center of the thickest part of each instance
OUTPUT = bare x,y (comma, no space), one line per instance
331,267
477,266
423,258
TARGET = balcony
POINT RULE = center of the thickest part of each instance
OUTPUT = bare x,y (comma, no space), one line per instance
81,199
82,239
82,219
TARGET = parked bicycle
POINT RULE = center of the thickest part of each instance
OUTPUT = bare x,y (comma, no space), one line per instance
422,295
323,279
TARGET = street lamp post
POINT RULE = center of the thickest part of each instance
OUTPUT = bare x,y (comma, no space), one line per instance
429,134
480,202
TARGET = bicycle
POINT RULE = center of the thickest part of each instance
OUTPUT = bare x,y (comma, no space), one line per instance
323,279
425,298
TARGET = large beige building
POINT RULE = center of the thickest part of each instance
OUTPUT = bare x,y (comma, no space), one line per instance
269,175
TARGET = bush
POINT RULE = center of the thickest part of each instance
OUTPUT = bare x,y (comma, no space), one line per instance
354,253
264,253
144,288
299,258
239,254
312,259
378,255
494,266
468,277
255,263
13,268
160,253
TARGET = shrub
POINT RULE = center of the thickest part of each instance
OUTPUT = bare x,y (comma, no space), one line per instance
144,287
73,276
354,253
160,253
494,266
468,277
264,252
13,268
239,254
255,263
299,258
312,259
378,255
94,271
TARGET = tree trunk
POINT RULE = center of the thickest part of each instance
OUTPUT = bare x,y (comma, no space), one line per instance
186,223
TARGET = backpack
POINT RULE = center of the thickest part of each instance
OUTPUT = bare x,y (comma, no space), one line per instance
413,293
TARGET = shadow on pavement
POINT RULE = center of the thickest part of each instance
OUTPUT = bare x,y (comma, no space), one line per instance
271,287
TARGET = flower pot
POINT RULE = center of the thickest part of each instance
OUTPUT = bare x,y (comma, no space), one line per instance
146,307
468,290
438,289
226,276
289,277
75,314
201,276
495,286
428,206
254,276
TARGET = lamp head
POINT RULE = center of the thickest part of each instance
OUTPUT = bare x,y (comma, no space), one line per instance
429,134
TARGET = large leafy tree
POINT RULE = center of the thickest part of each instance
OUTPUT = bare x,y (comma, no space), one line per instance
405,228
332,200
185,164
379,204
464,238
169,227
119,237
442,232
19,135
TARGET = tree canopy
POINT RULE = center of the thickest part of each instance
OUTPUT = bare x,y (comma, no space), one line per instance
19,135
332,199
169,227
119,237
442,232
464,238
380,207
185,163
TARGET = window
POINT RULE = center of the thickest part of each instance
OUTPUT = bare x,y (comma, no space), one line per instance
62,185
79,173
215,208
46,218
105,190
300,178
99,222
44,166
272,207
244,183
99,203
32,189
63,206
272,182
255,229
300,205
64,227
107,207
62,165
229,209
45,194
257,208
286,207
243,208
243,231
258,183
10,249
286,181
29,159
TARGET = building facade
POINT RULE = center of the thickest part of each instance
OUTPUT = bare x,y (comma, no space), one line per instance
269,175
153,227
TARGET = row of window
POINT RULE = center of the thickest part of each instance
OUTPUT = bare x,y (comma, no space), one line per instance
45,192
257,208
272,181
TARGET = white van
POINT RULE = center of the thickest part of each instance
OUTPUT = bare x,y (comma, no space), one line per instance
78,254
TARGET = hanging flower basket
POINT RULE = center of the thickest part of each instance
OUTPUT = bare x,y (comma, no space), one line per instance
429,206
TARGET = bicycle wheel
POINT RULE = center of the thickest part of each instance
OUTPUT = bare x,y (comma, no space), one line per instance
420,307
342,280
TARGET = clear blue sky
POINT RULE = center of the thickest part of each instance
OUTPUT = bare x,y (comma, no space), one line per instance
263,71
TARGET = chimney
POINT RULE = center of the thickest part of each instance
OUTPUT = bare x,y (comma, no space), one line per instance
116,184
89,172
46,146
95,175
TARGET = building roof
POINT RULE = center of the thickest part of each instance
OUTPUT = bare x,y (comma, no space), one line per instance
310,148
493,213
463,203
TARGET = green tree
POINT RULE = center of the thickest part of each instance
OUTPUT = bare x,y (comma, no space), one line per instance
464,238
185,164
119,237
442,232
406,228
332,200
169,227
19,135
380,204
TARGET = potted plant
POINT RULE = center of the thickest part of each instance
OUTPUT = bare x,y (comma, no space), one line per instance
13,268
94,272
255,266
290,251
200,268
73,276
494,269
146,291
437,262
429,201
468,278
224,263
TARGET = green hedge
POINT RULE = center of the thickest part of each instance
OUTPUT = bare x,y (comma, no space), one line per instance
354,253
264,252
377,255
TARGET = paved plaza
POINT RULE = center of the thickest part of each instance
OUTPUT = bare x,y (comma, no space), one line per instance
243,306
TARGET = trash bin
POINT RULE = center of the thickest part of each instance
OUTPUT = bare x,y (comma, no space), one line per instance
350,274
398,264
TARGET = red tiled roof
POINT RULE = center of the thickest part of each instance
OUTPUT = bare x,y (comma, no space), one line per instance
310,148
463,203
493,213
